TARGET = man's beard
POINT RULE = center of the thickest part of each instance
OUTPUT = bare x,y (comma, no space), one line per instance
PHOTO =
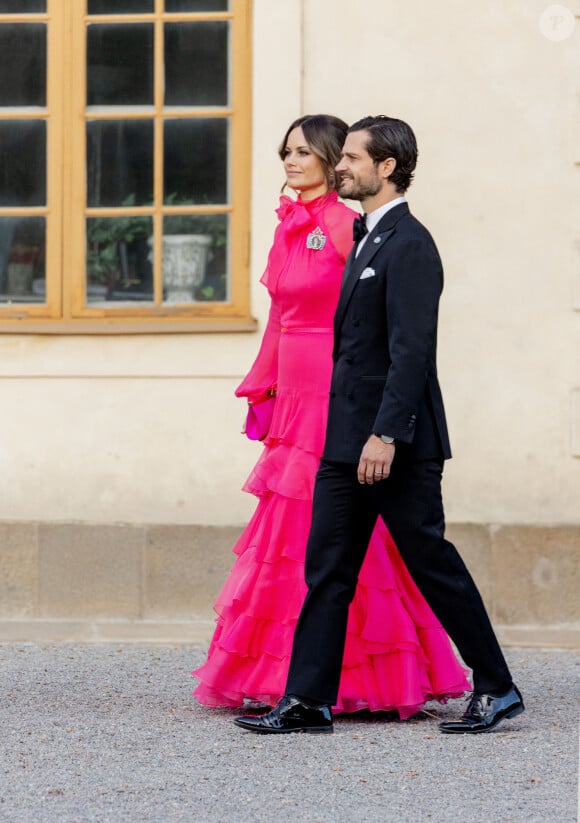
360,191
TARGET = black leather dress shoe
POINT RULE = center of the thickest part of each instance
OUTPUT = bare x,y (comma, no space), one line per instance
485,711
290,715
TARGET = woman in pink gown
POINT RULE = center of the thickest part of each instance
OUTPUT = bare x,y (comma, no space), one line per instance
397,655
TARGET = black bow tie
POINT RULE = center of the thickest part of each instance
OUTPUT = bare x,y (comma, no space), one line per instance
359,228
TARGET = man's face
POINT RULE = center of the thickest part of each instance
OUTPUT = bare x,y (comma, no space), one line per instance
357,172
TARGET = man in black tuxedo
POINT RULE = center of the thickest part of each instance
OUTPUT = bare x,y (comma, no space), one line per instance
385,445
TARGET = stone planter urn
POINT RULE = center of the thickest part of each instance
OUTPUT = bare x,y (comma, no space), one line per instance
184,264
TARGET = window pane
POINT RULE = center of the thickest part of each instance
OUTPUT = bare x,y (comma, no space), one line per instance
22,255
119,162
21,6
120,6
196,64
23,169
196,161
119,264
196,5
195,258
22,64
120,64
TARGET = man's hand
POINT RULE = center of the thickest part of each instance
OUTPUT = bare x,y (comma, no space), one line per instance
375,460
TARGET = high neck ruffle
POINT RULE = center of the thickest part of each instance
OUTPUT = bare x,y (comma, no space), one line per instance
296,216
298,209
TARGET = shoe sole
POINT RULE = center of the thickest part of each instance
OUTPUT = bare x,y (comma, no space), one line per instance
306,730
466,730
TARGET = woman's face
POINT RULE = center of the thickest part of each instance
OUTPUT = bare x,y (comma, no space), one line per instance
304,170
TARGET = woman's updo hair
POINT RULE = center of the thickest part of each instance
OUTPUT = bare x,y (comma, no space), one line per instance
325,135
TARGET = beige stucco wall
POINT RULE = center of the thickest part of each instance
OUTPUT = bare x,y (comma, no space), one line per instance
145,429
495,106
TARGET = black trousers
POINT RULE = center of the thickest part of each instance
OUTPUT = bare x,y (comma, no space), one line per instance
344,515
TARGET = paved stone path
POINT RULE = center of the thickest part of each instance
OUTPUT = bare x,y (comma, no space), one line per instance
111,733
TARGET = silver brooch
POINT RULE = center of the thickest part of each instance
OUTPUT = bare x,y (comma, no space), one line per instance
316,240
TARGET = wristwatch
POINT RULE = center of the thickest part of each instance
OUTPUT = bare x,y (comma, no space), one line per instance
385,438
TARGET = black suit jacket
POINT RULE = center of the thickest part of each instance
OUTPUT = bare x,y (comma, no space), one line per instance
384,378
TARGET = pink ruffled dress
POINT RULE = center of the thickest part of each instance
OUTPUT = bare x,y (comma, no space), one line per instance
397,655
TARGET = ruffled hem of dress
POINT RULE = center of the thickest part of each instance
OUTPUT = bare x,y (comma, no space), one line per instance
284,467
391,679
395,665
285,470
300,418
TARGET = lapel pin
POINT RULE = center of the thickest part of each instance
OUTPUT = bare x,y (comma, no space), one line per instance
377,240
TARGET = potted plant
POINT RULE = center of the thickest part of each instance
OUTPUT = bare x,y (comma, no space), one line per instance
108,239
194,255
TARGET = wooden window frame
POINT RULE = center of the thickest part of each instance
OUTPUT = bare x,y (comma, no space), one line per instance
65,311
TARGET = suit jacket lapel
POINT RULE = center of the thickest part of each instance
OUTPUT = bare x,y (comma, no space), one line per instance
354,267
349,262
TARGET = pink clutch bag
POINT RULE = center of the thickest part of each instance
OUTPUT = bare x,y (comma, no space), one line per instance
259,418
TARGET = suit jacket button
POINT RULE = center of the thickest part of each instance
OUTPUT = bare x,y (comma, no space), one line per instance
348,360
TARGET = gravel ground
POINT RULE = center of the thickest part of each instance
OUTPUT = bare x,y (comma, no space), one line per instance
111,733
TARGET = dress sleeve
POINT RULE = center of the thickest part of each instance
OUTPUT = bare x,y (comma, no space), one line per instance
262,378
339,222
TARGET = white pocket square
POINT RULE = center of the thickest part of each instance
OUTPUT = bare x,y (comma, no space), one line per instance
367,273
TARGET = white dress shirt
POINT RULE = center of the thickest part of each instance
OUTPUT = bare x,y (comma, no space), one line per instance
373,218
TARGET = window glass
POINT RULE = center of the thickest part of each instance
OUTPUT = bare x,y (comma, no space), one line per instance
22,6
22,260
149,124
195,257
120,6
196,5
23,169
22,64
196,64
196,161
120,64
119,264
119,162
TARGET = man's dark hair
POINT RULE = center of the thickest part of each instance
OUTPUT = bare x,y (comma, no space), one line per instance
389,137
